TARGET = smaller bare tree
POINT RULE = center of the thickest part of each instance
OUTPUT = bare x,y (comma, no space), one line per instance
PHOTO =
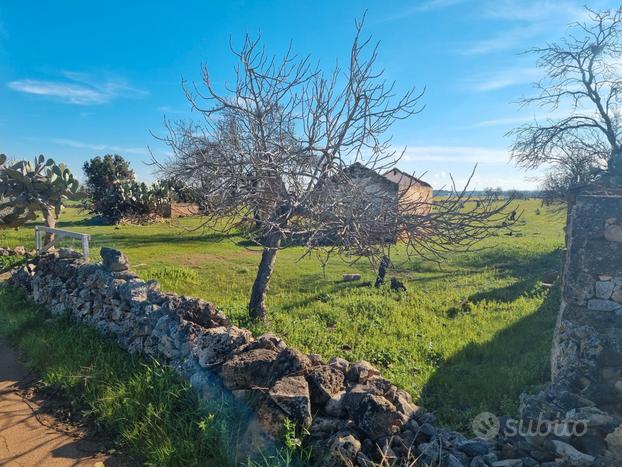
287,154
582,77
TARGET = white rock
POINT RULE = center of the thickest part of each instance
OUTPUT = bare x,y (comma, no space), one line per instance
571,455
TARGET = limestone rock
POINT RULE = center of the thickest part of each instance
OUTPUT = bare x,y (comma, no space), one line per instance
598,304
327,425
375,416
114,260
248,369
614,442
613,230
269,418
335,405
474,448
68,253
291,394
291,362
340,363
342,451
266,341
571,455
324,382
361,371
215,344
603,289
616,296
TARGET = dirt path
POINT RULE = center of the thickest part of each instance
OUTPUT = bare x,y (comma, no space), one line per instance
29,437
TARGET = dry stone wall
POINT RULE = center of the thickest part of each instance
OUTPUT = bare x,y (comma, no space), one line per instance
354,416
586,359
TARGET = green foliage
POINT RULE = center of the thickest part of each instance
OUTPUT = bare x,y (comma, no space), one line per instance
179,191
7,262
28,188
114,194
103,172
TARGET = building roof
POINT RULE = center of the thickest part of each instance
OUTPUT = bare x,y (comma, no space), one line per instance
359,170
404,179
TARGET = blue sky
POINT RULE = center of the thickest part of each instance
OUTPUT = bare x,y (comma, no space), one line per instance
79,79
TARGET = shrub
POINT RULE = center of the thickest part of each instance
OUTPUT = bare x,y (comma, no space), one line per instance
114,194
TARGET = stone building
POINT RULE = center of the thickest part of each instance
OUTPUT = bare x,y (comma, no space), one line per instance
414,193
409,192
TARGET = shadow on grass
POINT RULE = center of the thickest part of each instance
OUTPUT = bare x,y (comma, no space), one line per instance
528,270
491,376
133,239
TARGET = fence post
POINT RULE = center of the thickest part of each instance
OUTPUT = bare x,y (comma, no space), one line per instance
85,246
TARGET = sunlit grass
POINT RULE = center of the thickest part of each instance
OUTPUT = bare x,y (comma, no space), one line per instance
479,318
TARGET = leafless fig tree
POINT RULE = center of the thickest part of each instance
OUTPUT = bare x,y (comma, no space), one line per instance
288,154
583,82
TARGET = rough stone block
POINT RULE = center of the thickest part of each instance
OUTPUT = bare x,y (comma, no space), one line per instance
598,304
604,289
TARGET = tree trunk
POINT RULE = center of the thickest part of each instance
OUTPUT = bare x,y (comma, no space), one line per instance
50,221
385,262
257,304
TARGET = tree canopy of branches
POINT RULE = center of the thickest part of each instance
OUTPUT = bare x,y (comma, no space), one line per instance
273,159
28,188
582,81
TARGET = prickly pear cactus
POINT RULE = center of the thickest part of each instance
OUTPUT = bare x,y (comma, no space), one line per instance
27,188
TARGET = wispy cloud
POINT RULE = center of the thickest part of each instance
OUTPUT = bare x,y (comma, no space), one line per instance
437,4
443,180
508,39
500,79
78,88
171,110
421,7
534,10
527,20
518,119
457,154
99,147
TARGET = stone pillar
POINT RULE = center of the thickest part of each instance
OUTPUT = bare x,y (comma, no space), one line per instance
587,351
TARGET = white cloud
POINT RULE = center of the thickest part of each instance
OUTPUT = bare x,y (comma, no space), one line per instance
500,79
518,119
529,19
443,180
77,88
422,7
99,147
458,154
508,39
534,10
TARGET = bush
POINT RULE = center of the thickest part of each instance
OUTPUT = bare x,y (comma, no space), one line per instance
114,194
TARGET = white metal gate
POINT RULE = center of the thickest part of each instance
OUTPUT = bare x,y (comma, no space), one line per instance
41,231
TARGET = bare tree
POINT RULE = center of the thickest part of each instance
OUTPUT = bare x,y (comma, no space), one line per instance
288,154
582,79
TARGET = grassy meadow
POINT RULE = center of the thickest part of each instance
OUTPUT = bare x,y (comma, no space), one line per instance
468,335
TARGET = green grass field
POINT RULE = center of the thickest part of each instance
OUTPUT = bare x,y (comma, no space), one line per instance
469,335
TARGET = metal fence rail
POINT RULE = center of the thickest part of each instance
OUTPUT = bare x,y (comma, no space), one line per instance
41,231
